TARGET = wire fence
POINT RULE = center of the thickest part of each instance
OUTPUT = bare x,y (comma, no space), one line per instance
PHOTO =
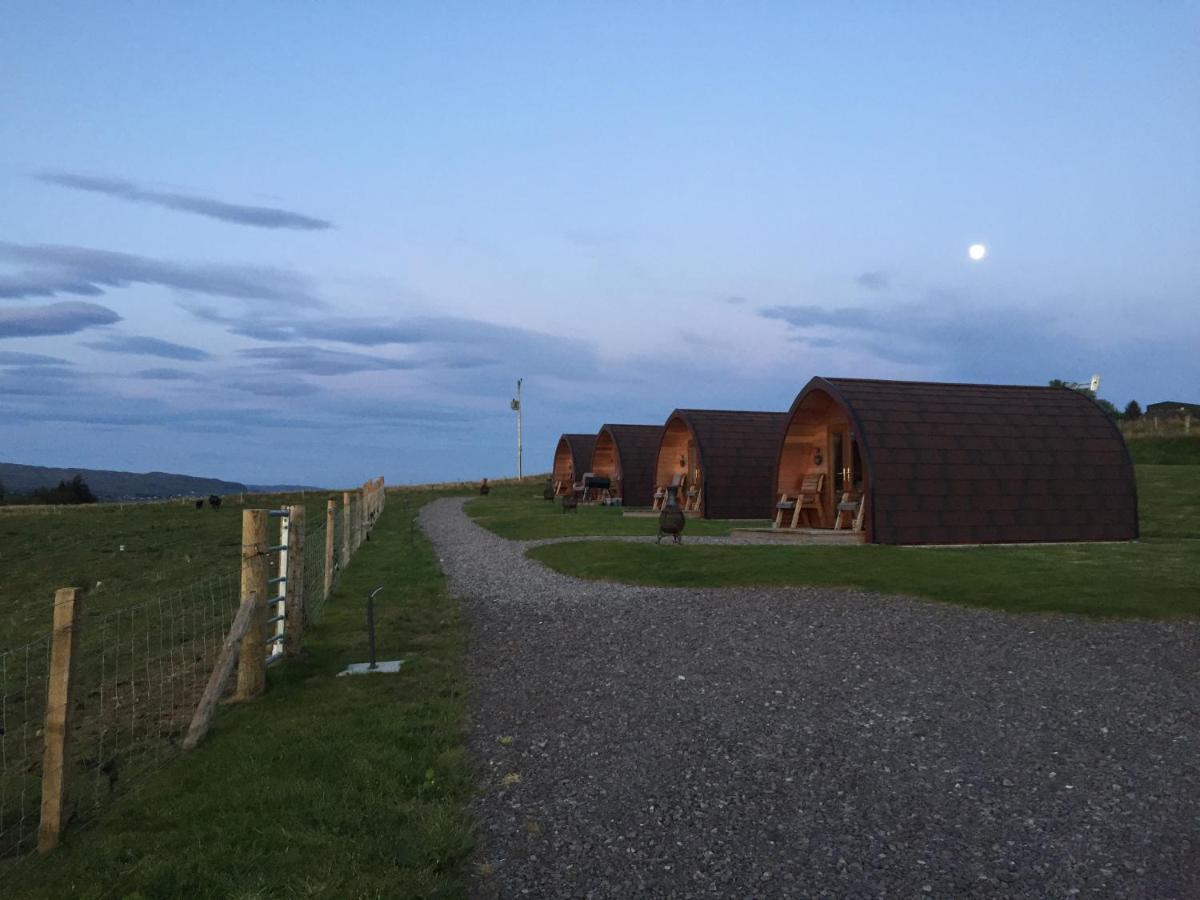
137,676
23,674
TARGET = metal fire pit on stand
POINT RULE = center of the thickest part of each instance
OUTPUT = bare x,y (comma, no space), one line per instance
596,483
671,520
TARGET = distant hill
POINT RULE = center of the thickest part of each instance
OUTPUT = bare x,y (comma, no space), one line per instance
281,488
106,485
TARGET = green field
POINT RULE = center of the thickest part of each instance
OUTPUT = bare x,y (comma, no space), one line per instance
518,512
1158,576
325,787
167,547
1173,450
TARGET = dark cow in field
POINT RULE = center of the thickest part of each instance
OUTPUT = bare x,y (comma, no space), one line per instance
214,501
200,503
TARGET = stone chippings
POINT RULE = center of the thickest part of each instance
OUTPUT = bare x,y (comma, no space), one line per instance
634,741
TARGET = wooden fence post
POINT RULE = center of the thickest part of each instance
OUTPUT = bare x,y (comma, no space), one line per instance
293,606
347,528
330,522
67,607
252,662
363,522
202,718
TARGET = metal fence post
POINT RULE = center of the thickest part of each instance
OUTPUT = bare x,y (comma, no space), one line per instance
252,663
67,607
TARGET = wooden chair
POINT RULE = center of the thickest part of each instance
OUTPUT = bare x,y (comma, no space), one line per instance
849,511
785,505
808,501
660,495
694,494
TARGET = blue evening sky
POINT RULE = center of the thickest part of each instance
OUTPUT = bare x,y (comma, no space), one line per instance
313,243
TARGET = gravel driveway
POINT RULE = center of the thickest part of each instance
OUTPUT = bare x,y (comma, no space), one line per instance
634,741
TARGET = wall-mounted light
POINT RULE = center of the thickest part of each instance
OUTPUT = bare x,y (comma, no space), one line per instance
817,458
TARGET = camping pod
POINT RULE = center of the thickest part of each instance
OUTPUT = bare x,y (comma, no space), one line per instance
572,458
927,463
626,455
720,464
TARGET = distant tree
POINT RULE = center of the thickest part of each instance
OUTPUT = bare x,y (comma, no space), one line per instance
1108,407
67,492
1133,410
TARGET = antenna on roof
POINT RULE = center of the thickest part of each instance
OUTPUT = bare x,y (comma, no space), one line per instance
1092,387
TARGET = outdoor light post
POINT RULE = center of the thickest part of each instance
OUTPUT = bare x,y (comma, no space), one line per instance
516,406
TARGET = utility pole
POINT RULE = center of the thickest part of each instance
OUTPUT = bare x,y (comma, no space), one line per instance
516,406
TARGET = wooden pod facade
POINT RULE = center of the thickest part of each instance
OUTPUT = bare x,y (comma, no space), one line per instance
960,463
572,458
721,463
627,454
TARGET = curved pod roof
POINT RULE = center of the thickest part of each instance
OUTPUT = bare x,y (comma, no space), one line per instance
970,463
736,454
631,450
573,452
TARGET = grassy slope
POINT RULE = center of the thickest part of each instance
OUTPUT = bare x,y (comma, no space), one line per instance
518,512
167,547
325,787
1159,576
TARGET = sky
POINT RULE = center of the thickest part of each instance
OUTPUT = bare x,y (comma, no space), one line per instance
284,243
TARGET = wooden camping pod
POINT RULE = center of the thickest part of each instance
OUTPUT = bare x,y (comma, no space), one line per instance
931,463
722,461
627,455
572,458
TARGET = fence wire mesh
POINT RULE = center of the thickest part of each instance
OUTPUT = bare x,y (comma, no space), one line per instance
23,674
314,573
140,667
140,673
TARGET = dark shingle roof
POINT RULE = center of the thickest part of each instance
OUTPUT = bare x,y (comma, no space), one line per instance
581,447
969,463
636,447
738,452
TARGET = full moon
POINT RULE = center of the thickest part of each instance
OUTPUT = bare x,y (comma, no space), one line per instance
977,252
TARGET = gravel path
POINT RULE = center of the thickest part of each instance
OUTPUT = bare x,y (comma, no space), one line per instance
635,741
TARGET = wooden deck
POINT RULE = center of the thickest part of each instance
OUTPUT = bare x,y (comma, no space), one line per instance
802,535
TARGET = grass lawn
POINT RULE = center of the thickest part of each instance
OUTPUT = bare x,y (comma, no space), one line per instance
1173,450
1158,576
325,787
518,512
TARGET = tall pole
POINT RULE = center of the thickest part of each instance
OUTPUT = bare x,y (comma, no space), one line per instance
516,404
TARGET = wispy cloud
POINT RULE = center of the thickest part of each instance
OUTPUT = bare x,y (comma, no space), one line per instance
317,361
12,358
167,374
239,214
146,346
838,317
447,341
268,385
874,281
67,317
82,270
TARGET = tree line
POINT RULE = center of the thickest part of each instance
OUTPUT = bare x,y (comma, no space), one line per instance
1132,411
65,493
